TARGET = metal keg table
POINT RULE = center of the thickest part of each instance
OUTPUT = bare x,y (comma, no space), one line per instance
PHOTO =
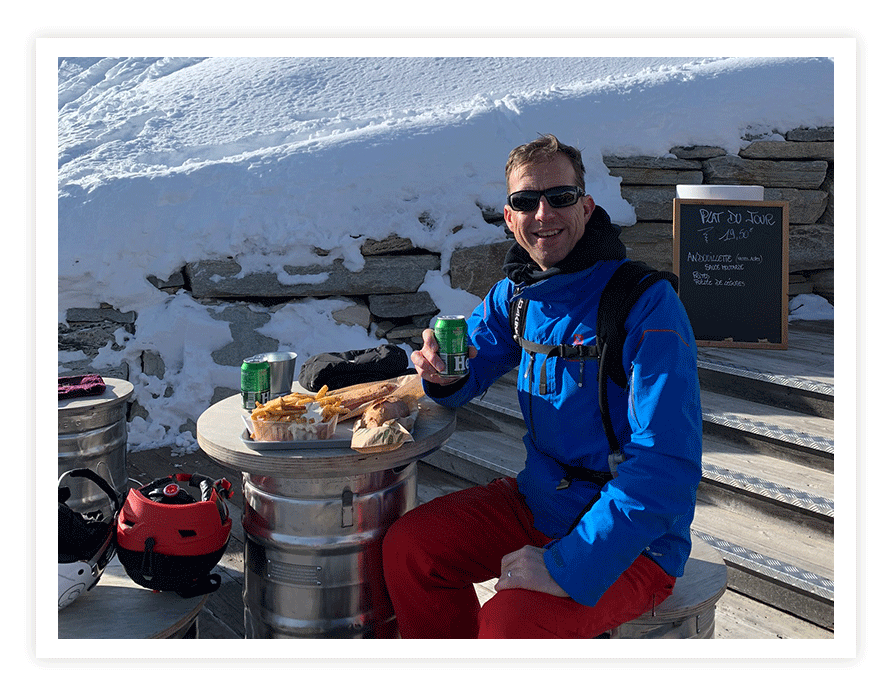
314,520
92,433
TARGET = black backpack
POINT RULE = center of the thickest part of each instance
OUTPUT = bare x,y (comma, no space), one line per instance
347,368
624,288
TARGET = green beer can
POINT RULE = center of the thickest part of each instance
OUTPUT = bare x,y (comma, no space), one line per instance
255,382
451,333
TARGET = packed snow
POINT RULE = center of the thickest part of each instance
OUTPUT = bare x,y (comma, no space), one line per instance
273,161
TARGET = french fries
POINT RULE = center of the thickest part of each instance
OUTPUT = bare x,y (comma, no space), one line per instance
296,416
292,407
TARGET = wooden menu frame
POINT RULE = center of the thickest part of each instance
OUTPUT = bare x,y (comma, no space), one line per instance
732,260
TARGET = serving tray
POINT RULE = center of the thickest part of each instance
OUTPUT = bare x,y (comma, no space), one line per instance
342,439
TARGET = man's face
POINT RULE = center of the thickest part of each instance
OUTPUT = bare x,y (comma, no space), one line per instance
547,234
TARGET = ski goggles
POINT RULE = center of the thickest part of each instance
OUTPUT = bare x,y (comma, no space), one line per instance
558,197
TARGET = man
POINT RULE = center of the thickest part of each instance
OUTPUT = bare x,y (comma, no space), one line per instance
577,552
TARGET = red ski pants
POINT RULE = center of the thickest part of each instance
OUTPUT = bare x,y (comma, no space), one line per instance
434,554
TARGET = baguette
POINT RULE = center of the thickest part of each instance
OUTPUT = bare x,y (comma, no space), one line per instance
357,398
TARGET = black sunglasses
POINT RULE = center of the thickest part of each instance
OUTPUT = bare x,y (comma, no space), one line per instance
558,197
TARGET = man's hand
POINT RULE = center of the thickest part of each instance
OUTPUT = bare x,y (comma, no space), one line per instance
428,364
525,569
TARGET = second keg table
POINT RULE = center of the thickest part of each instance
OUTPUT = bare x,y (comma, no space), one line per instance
314,519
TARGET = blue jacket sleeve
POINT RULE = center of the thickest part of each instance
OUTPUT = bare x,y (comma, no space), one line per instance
655,490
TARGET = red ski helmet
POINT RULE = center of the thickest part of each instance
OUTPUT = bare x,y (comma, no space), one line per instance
167,540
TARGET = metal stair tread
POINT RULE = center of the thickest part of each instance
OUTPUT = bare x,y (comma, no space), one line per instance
782,572
773,545
768,476
764,365
806,384
769,421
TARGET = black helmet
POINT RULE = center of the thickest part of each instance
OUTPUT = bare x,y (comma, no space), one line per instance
168,540
86,542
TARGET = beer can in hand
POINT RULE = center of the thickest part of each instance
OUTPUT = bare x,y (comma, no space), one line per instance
255,382
451,333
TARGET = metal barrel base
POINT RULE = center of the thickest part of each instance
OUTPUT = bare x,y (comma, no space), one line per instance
313,554
92,433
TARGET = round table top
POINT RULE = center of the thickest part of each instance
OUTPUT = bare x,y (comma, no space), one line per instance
118,608
220,431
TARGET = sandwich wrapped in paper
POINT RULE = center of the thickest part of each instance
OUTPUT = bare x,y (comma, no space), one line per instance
387,423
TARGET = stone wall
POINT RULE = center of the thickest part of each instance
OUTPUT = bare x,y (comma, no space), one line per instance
384,297
798,170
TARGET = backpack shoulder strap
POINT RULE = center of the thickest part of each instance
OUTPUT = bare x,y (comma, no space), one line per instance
517,317
625,287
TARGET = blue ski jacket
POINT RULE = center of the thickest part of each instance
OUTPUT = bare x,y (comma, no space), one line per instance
648,508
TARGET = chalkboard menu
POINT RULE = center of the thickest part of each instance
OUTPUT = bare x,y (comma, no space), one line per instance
732,259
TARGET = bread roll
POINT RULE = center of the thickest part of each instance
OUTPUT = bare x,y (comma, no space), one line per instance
382,411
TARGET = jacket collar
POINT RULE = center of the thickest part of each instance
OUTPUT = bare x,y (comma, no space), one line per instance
600,242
